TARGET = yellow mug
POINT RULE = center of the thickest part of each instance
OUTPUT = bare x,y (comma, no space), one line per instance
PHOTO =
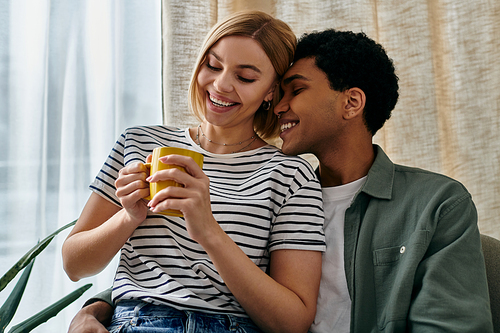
156,165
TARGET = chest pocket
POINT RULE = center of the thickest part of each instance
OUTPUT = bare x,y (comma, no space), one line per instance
394,272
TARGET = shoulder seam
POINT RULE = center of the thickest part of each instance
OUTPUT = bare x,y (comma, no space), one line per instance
461,199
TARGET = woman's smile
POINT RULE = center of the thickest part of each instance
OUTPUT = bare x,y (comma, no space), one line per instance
219,104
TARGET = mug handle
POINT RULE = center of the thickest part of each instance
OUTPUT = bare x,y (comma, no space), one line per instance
148,166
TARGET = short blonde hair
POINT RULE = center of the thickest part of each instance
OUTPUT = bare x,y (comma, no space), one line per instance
276,39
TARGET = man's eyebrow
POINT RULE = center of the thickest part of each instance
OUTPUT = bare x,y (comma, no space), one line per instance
242,66
289,79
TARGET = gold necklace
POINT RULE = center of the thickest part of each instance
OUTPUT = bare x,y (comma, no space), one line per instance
254,137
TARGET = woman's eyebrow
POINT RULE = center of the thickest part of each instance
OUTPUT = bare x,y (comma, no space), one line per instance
242,66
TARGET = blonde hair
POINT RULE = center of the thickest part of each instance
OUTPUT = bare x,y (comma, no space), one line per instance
276,39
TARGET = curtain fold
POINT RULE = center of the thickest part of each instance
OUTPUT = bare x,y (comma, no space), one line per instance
73,76
446,54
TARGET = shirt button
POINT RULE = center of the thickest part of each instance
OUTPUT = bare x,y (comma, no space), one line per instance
402,249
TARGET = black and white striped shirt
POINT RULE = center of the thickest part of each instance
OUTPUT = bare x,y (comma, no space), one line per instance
263,199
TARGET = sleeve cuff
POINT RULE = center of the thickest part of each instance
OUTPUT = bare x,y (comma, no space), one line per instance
104,296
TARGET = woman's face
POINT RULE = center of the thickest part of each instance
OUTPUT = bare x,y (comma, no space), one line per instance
234,80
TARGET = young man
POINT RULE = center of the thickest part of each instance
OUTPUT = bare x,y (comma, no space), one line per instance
403,247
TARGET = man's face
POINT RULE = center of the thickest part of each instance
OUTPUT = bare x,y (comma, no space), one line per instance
310,110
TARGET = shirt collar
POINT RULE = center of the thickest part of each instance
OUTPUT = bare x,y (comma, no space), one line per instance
380,176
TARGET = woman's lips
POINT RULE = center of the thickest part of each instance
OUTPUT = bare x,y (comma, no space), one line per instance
218,102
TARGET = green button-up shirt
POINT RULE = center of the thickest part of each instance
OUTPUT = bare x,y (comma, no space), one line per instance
413,257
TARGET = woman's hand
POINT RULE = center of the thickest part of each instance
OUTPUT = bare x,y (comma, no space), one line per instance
193,200
131,188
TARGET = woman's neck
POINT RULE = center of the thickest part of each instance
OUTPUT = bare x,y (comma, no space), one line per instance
222,141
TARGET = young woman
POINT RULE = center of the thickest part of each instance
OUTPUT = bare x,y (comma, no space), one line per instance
246,256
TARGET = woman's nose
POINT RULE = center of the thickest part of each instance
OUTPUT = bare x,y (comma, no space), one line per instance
223,83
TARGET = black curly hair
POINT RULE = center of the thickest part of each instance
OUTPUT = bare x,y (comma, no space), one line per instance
354,60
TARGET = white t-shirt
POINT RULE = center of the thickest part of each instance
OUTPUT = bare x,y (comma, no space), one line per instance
333,312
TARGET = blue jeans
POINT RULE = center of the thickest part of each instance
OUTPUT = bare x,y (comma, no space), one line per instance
141,317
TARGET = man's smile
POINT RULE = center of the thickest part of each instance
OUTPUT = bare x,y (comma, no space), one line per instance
286,126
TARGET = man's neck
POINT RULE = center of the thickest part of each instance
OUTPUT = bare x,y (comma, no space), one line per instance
339,167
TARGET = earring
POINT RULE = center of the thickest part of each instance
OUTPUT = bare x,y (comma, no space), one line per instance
266,105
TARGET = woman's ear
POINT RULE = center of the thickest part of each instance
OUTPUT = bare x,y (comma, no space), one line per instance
270,94
355,105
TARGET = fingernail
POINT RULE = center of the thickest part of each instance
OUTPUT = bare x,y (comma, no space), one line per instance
149,179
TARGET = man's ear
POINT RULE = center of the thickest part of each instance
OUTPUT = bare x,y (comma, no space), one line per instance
355,103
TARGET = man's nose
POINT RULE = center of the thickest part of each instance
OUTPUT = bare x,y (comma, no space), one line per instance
281,107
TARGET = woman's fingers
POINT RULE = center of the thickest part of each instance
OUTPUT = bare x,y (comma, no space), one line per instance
174,174
131,188
191,187
178,198
186,162
129,181
132,192
166,199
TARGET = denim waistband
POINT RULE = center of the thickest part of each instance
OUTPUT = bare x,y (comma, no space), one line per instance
137,308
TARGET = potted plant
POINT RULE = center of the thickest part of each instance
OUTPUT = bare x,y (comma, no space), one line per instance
11,304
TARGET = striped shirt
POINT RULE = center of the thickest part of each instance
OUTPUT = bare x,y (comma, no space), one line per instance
263,199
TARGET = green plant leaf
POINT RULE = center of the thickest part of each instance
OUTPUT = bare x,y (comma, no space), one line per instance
9,308
26,259
49,312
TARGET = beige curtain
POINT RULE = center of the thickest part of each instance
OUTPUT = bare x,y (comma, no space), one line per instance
447,58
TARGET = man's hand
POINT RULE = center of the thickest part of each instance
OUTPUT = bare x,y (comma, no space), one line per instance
92,318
